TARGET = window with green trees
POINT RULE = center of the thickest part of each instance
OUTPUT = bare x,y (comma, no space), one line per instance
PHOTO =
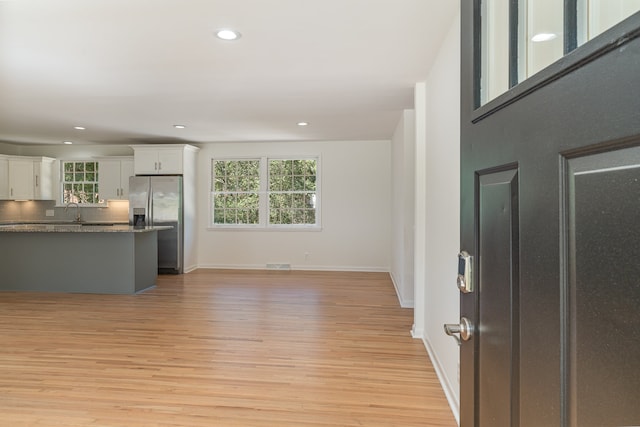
236,191
292,191
80,182
265,192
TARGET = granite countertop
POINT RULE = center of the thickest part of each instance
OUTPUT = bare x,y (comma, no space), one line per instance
77,228
59,222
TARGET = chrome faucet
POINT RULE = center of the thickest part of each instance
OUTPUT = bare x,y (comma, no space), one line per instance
78,217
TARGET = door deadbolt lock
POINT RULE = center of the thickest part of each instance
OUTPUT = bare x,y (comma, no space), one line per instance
464,329
465,272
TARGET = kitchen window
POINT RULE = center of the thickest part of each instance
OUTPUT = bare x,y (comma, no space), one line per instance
265,192
80,182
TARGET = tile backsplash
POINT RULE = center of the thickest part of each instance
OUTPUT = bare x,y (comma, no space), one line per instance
36,210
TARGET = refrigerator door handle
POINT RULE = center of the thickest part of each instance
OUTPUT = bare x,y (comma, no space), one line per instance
150,205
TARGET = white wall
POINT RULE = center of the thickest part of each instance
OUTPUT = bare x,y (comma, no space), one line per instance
438,210
402,215
190,209
420,208
356,211
9,148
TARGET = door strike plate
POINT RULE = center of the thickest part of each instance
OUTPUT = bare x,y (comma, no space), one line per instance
465,272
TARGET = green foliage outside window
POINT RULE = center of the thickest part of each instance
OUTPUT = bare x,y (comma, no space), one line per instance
289,189
292,191
80,182
236,185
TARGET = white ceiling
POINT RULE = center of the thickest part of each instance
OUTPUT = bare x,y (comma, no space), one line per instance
128,70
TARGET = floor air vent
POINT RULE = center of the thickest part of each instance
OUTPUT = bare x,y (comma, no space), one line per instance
278,266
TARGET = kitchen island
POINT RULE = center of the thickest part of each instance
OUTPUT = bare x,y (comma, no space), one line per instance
85,258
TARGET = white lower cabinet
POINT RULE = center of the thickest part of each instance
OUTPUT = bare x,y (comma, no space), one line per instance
113,178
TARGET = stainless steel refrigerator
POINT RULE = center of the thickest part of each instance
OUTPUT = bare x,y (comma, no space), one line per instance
156,201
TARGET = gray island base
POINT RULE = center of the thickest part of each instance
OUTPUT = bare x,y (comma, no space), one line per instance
106,260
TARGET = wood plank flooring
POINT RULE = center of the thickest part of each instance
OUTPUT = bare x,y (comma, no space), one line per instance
218,348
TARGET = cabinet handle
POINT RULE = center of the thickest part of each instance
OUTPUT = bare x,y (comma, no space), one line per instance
12,192
36,180
155,166
159,165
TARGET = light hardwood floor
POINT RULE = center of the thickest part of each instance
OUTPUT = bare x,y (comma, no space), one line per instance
219,348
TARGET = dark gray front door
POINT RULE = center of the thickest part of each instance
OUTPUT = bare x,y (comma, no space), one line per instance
550,204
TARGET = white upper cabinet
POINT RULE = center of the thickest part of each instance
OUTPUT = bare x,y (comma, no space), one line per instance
21,179
30,178
160,159
43,178
170,161
113,178
4,178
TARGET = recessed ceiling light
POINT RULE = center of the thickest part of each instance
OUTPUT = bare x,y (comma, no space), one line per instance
543,37
67,142
303,123
179,126
226,34
79,127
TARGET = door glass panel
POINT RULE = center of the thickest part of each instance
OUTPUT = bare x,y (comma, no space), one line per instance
541,35
495,49
597,16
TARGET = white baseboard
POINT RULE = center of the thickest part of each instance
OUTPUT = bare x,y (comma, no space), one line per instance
296,267
190,268
416,332
232,267
404,303
446,385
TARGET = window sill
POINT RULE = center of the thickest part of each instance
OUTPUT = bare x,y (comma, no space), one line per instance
313,228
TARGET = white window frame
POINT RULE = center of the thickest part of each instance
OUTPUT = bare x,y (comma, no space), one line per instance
60,201
263,194
212,193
